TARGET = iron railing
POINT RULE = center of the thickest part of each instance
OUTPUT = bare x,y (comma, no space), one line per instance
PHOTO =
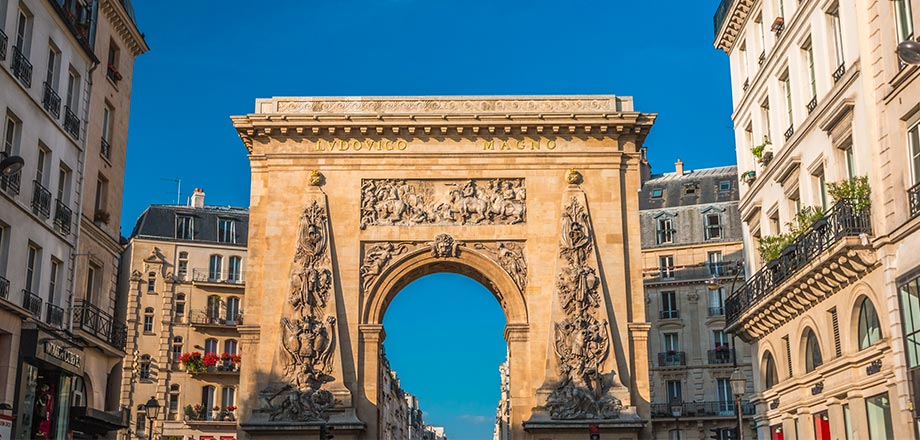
762,58
842,220
32,303
722,356
54,315
913,200
691,272
209,276
4,288
3,41
719,18
812,104
51,100
670,314
746,85
71,122
63,216
672,359
702,409
716,311
41,199
841,69
99,323
214,317
789,132
10,183
22,68
105,149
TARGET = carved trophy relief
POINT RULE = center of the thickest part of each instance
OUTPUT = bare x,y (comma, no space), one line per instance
457,202
307,333
581,341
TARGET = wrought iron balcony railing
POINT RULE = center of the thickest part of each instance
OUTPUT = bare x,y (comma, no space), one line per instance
721,356
812,104
670,314
672,359
3,41
703,271
54,315
841,69
100,324
913,200
216,276
215,318
721,12
51,100
41,199
63,217
10,183
71,122
716,311
32,303
842,220
4,288
789,132
22,68
105,149
702,409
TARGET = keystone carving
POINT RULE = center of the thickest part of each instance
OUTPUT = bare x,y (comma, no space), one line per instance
421,202
581,341
307,333
445,246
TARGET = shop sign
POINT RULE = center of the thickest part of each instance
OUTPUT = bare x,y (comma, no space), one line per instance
6,427
62,354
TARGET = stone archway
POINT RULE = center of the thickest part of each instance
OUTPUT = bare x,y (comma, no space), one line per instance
534,197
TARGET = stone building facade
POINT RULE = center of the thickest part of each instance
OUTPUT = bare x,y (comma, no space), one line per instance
400,413
691,255
825,119
183,275
49,87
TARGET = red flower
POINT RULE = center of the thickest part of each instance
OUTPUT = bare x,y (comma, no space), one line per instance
236,358
225,356
231,408
210,359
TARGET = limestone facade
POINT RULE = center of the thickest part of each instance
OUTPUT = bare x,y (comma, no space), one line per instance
184,279
821,99
389,189
691,257
400,413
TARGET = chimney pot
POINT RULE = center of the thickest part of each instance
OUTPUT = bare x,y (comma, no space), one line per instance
679,167
198,198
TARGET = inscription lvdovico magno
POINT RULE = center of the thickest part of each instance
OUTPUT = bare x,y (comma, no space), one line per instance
386,145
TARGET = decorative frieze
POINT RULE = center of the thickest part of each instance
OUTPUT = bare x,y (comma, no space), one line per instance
874,368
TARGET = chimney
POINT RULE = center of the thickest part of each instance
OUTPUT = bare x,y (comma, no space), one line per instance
679,167
645,169
198,198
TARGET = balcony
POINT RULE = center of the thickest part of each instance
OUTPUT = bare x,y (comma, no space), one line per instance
672,359
913,200
10,183
78,16
22,68
105,149
688,274
202,415
41,200
702,409
63,217
830,255
32,303
716,311
841,69
71,123
4,288
100,324
812,104
210,318
216,277
3,41
789,132
51,100
722,356
54,315
221,369
670,314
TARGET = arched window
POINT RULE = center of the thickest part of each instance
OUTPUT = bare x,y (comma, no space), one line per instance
210,345
174,402
148,320
151,281
213,309
228,397
179,314
214,268
233,309
145,367
230,346
812,352
770,377
207,401
235,270
182,266
176,348
869,329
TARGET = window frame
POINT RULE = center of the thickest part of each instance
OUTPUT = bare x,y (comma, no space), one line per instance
864,333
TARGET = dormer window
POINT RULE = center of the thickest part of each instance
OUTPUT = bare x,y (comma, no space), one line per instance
185,227
665,232
725,185
691,189
657,193
226,230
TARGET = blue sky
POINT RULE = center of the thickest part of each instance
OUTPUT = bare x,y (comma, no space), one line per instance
210,60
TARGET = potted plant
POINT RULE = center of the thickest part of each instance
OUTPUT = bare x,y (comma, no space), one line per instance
749,177
215,413
856,191
778,25
199,411
226,361
190,412
209,360
101,216
193,362
763,152
236,358
231,412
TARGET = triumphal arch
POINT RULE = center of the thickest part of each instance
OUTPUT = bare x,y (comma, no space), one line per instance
536,197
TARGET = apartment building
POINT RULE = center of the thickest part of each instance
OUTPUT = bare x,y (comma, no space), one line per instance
183,276
48,376
823,113
692,255
400,413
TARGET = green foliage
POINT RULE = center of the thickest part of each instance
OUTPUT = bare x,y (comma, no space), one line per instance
758,150
856,190
806,217
771,246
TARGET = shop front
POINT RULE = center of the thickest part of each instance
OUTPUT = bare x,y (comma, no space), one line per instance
48,367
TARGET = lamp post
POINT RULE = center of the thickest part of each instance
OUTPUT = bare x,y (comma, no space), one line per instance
738,383
153,410
677,408
909,51
10,164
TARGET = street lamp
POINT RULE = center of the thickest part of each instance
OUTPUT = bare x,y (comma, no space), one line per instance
153,410
909,51
10,164
738,383
677,408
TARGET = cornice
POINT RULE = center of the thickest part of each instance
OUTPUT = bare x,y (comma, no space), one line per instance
124,26
733,24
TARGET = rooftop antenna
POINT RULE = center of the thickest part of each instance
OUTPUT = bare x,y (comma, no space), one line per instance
178,183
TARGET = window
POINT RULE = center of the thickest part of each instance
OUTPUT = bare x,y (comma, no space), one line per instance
847,424
771,377
23,31
140,424
207,400
822,426
821,188
720,339
809,51
234,269
92,284
32,262
185,227
674,391
63,187
228,397
11,135
112,68
180,307
758,21
210,345
666,266
54,282
726,397
779,8
870,331
849,160
713,225
102,193
183,265
743,61
878,412
230,346
765,119
107,123
717,302
148,320
671,342
233,308
665,231
913,141
657,193
73,90
837,36
176,348
690,189
669,305
54,64
226,230
213,307
214,267
909,297
715,263
725,185
812,351
174,400
145,367
151,282
904,20
787,92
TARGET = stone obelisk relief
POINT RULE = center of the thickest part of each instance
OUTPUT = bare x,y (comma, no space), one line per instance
305,385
